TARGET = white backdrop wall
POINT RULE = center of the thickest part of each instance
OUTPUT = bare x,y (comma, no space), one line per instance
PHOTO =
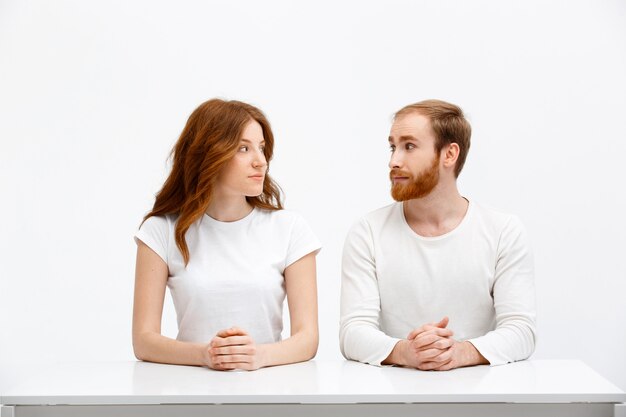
94,94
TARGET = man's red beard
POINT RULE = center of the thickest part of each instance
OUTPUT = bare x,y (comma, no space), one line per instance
416,188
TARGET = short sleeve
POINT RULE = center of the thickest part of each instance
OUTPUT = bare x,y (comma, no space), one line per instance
154,232
302,241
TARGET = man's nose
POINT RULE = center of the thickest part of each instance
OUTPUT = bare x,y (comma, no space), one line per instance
396,160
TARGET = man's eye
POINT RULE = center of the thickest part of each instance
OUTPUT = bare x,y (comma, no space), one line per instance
409,146
392,148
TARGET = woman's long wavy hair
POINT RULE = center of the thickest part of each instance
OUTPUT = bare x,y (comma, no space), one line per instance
208,142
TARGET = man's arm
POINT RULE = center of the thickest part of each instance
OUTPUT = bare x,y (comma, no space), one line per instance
360,337
514,337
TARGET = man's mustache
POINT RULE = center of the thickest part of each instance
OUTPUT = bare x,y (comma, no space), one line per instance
399,173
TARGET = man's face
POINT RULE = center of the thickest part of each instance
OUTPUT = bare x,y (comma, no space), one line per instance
414,163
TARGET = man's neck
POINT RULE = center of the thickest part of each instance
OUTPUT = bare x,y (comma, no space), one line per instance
438,213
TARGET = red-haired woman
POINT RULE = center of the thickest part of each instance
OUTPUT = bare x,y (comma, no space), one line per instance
218,237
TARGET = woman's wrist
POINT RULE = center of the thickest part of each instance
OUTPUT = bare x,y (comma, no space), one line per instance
263,355
200,352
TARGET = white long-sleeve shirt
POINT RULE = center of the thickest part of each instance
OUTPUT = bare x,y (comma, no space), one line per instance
480,275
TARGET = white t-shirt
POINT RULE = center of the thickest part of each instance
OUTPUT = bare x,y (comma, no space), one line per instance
235,272
480,275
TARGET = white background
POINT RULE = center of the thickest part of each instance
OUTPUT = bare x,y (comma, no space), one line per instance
94,94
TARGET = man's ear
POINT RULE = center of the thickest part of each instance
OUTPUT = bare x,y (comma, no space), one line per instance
450,155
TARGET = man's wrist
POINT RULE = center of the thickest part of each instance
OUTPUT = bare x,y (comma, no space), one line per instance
470,355
397,355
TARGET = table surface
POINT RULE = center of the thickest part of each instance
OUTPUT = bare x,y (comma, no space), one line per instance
313,382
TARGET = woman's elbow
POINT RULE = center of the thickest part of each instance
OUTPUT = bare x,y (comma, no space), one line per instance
138,353
311,343
139,347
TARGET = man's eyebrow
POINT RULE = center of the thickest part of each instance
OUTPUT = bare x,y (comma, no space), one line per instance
404,138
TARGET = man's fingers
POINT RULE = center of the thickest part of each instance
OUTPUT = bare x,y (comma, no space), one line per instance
415,332
420,330
436,366
424,340
443,323
432,358
431,341
429,355
437,363
428,335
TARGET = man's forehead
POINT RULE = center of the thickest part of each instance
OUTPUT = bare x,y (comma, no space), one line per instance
411,119
409,126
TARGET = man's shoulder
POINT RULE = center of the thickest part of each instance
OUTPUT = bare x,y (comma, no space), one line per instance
495,218
381,216
374,220
367,228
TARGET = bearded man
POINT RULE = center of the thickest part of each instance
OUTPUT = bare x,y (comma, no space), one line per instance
435,281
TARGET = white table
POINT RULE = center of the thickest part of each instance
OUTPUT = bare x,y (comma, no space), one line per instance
535,387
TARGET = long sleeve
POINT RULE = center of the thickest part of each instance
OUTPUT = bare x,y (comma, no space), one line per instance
513,294
360,336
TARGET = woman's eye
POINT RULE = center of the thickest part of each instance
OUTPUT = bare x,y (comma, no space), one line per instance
243,149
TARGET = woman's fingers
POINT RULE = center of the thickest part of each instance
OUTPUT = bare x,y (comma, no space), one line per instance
234,350
230,341
232,331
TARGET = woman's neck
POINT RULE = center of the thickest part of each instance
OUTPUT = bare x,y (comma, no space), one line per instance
226,209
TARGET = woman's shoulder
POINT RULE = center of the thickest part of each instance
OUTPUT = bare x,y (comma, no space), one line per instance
287,221
282,216
162,222
293,232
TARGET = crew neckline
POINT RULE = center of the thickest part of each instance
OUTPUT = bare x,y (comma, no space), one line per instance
461,225
236,223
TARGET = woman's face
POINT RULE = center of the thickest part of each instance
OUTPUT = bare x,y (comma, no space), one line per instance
245,173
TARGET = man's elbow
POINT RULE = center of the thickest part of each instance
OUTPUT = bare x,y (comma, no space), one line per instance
527,340
344,342
531,341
